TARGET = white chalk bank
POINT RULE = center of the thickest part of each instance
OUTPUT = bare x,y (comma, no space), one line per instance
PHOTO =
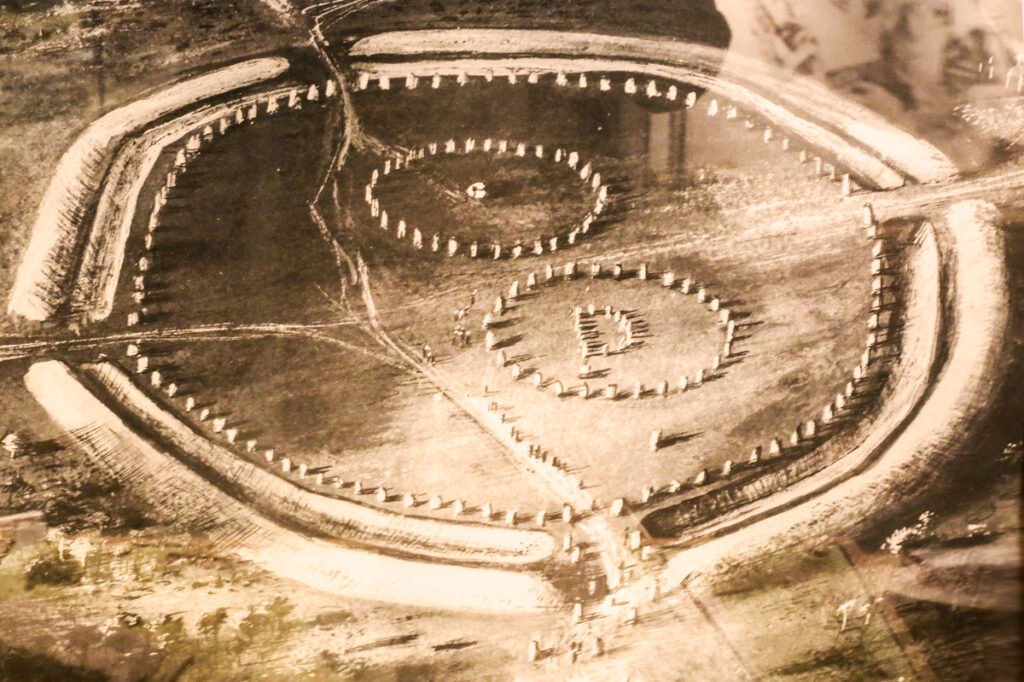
40,284
92,293
424,537
235,528
809,104
941,432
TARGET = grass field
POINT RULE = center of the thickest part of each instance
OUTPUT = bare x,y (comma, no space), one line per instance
236,241
354,417
527,199
785,264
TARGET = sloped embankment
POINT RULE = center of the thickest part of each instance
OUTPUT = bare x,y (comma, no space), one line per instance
937,440
49,260
237,528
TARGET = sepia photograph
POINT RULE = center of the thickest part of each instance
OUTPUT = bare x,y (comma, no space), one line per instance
511,340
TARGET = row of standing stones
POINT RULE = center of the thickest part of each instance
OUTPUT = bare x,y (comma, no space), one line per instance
652,89
496,250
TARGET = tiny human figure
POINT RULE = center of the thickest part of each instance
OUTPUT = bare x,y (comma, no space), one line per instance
1015,76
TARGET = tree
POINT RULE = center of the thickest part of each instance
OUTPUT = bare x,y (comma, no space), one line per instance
278,610
211,623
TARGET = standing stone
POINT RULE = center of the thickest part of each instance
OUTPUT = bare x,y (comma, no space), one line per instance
382,494
775,447
655,440
617,507
286,465
755,455
611,391
567,514
642,272
486,511
513,290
